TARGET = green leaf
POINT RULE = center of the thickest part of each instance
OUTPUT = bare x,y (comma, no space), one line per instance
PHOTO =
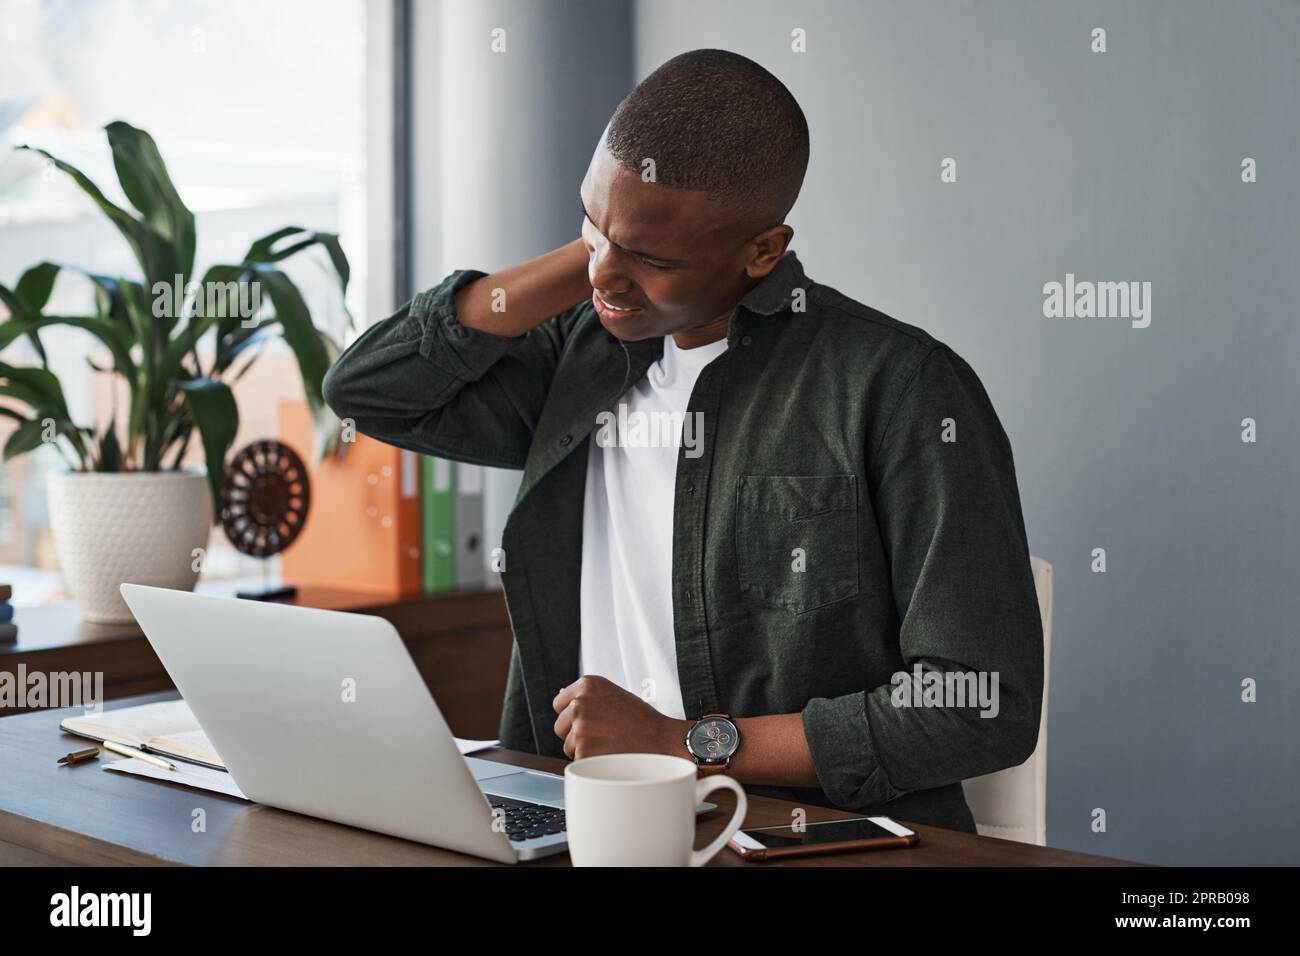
109,299
234,375
154,252
310,347
203,319
241,339
148,400
335,250
36,284
27,436
263,251
139,317
144,178
110,452
101,328
30,435
260,250
212,405
29,397
41,392
37,387
18,309
299,331
42,387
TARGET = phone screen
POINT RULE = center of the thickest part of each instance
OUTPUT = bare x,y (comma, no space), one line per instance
832,831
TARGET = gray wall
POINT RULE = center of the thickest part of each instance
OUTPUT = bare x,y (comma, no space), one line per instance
501,140
1123,165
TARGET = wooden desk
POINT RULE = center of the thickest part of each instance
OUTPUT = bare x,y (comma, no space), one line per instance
460,642
84,815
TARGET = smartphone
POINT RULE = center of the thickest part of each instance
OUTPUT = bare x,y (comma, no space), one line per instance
829,836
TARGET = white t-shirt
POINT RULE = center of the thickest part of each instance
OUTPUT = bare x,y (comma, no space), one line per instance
627,530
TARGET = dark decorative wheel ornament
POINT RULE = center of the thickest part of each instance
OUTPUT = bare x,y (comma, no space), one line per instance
264,499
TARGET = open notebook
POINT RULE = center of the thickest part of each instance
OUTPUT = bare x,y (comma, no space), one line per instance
167,729
170,730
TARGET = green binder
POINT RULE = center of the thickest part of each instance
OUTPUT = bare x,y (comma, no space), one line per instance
437,513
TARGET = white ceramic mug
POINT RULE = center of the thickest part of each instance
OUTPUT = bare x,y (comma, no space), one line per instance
639,810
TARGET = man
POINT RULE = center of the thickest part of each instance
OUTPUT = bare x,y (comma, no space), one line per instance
836,517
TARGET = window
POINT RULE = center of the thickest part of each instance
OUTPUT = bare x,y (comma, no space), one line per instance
259,111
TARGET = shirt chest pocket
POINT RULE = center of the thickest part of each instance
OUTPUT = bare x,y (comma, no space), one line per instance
797,539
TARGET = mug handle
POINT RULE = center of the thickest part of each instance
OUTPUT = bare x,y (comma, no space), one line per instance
703,788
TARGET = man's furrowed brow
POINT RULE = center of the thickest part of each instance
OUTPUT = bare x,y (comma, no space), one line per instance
636,252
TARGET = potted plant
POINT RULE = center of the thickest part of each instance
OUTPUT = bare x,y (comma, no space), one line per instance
126,509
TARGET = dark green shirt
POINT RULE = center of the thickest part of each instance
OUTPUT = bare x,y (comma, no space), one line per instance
831,431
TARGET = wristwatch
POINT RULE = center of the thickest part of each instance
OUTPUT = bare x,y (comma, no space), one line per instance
712,741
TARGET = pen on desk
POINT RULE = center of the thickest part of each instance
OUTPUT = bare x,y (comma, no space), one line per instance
77,756
139,755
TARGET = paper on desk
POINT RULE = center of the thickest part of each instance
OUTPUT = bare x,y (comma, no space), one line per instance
219,781
188,774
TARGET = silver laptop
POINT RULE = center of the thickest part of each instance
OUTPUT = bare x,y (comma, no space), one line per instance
324,713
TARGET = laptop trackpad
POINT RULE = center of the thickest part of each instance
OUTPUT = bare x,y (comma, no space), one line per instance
527,785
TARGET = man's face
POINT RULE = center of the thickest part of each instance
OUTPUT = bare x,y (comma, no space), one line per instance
672,256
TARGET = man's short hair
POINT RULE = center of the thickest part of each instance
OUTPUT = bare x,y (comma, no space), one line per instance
717,122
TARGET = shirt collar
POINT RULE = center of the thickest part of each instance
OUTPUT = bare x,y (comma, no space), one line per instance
775,290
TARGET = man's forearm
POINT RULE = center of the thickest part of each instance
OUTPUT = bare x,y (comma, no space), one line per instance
530,293
773,751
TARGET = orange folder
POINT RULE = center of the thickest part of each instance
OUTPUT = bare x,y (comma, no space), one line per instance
363,525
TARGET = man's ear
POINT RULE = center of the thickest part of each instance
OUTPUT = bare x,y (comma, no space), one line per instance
767,249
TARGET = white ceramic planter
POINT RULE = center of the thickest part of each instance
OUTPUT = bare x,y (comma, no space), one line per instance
136,527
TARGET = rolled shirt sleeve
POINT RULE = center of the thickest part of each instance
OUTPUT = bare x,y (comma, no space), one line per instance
421,380
948,510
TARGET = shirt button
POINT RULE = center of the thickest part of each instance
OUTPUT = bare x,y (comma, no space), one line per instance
746,340
687,596
689,489
566,441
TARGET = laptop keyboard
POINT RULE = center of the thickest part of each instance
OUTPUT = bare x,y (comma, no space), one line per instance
527,821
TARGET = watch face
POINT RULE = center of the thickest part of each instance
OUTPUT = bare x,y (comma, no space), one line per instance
714,739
